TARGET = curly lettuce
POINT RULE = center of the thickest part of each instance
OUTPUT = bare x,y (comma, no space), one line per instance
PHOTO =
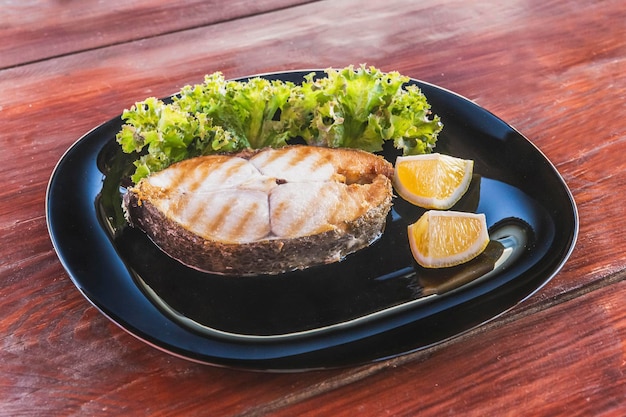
357,108
362,109
162,134
248,110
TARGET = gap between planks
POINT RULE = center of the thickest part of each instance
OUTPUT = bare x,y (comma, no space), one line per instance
184,29
360,373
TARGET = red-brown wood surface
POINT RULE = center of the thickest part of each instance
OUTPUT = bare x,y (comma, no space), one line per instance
554,70
37,30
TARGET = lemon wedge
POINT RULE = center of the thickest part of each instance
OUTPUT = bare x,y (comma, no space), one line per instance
442,239
432,181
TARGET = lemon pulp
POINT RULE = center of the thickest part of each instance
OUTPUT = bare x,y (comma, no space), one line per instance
447,238
432,181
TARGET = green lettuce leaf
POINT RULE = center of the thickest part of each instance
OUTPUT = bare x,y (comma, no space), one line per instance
363,108
162,134
250,110
357,108
411,126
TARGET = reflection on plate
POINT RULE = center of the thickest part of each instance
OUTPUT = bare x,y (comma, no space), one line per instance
375,304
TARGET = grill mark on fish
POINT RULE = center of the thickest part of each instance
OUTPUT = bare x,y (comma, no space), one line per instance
194,179
297,164
309,159
244,220
270,161
295,228
234,169
335,202
276,212
174,183
195,174
337,208
321,160
290,210
199,174
217,174
270,156
297,157
213,171
190,212
218,215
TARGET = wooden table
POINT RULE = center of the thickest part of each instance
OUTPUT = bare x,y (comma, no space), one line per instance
556,70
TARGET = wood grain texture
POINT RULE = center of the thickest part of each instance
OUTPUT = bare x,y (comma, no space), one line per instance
561,82
36,30
559,371
88,88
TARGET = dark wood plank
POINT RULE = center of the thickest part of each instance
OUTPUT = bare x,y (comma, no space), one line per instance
35,30
560,82
564,361
60,356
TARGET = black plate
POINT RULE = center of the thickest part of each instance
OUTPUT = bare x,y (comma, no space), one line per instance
371,306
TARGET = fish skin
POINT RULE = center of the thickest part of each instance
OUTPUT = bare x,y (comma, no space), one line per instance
270,198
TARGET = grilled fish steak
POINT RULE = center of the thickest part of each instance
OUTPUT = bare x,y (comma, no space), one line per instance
264,212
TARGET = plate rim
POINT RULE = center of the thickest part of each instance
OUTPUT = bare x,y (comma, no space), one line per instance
237,363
